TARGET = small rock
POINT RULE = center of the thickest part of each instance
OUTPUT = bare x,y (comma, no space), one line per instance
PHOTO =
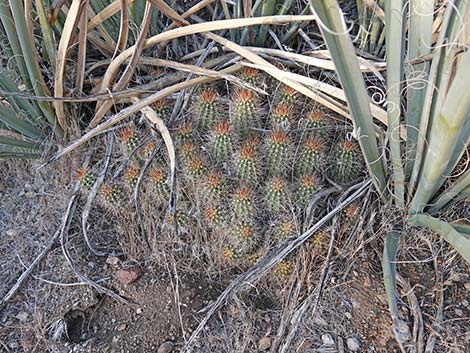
112,260
128,275
166,347
13,345
465,303
264,344
459,312
327,340
29,194
23,316
139,311
353,344
121,327
348,315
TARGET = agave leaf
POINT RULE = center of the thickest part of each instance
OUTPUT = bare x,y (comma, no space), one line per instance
444,133
461,228
419,45
47,35
452,192
14,148
344,57
394,12
11,120
400,329
460,242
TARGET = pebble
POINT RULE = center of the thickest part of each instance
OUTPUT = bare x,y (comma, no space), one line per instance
166,347
353,344
121,327
139,311
128,275
459,312
23,316
264,344
348,315
327,339
112,260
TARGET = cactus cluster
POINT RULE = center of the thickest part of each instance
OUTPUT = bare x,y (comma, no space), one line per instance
86,178
244,175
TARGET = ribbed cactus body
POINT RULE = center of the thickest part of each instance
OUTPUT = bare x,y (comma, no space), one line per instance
277,149
244,112
221,144
158,178
346,162
112,194
131,174
250,75
306,188
284,228
194,165
213,186
162,109
206,109
213,215
246,165
312,156
85,178
129,137
184,131
282,117
243,203
287,95
247,237
277,197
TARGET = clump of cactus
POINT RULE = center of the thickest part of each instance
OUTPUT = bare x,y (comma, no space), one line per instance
307,186
112,194
214,186
346,162
86,178
311,156
352,211
179,218
284,228
187,150
250,75
221,142
184,131
246,164
282,117
206,109
194,165
131,174
244,112
158,178
212,215
319,239
243,203
283,268
287,95
148,149
162,109
277,196
129,137
230,254
315,123
277,150
247,236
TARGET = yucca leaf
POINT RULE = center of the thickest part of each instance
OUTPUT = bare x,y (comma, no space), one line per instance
400,329
460,242
11,120
462,183
8,144
347,67
47,35
444,133
267,10
419,45
461,228
395,27
440,73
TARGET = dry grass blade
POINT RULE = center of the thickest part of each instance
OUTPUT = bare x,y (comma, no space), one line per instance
123,28
82,46
106,13
160,126
137,107
270,260
68,32
169,12
187,30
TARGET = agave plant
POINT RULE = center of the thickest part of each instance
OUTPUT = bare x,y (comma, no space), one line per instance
436,113
24,124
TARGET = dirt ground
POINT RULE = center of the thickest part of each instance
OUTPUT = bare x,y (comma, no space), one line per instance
54,311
